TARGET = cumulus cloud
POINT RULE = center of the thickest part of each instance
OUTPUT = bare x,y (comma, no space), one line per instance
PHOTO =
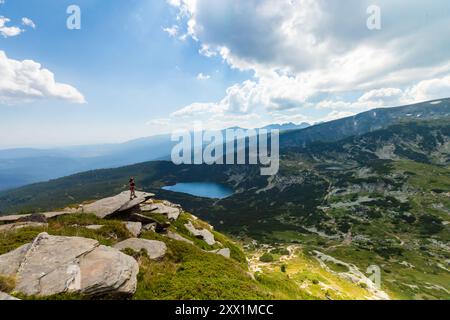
202,76
430,89
24,81
309,53
171,31
7,31
28,22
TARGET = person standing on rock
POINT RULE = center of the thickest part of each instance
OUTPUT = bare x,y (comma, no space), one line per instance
132,189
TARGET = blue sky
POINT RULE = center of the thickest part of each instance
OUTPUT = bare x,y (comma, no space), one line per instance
128,69
143,67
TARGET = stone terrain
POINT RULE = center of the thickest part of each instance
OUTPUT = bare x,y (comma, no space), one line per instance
52,265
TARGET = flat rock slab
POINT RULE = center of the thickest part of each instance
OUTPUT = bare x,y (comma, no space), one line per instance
10,262
134,228
51,265
14,217
171,211
203,234
21,225
119,203
155,249
47,215
4,297
176,236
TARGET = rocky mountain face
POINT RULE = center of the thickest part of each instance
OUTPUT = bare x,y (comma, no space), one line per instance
365,122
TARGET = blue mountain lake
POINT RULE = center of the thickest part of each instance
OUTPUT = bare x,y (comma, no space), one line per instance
202,189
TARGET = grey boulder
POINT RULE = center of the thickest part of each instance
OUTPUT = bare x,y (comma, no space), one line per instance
176,236
134,228
52,265
119,203
223,252
155,249
203,234
171,211
4,297
21,225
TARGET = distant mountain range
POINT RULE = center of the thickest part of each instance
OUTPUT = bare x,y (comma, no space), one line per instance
20,167
287,126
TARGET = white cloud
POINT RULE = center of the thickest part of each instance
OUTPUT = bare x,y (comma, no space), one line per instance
203,77
171,31
430,89
24,81
6,31
302,50
28,22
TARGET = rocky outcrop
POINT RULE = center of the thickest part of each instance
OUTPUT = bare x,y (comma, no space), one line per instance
10,262
116,204
52,265
176,236
155,249
171,211
4,297
21,225
149,222
134,228
33,217
203,234
223,252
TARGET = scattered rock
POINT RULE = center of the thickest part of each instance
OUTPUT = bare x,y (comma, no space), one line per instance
134,227
4,297
145,207
223,252
155,249
47,215
13,218
142,218
119,203
52,265
94,227
171,211
176,236
107,270
160,227
150,227
36,217
21,225
203,234
55,214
